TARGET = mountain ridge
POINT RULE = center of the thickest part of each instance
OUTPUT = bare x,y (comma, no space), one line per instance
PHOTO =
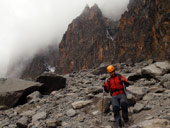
142,33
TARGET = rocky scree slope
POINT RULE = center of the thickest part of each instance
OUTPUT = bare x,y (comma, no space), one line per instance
78,105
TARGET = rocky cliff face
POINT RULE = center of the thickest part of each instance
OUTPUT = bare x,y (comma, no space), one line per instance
87,40
144,31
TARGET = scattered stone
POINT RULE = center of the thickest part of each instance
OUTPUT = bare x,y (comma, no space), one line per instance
39,116
52,123
156,90
149,118
148,95
22,122
28,113
138,107
71,113
95,112
166,85
81,118
34,96
108,127
81,104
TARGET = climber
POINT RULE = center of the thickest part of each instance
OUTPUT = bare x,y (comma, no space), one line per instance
116,86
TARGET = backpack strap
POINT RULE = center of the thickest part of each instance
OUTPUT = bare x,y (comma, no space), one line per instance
108,80
124,87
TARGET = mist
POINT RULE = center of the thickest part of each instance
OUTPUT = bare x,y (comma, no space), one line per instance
28,25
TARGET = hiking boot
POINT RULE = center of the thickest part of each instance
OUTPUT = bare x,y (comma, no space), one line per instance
126,120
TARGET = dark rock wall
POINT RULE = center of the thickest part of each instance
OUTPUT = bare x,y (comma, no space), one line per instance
144,31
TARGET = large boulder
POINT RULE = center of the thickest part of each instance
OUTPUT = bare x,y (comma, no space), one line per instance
51,82
156,69
12,90
138,92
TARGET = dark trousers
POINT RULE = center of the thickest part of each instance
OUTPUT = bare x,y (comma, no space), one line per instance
120,101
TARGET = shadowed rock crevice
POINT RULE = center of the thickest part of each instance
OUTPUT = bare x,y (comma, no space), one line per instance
23,98
140,76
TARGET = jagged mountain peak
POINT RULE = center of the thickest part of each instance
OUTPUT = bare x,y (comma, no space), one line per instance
95,6
91,12
88,32
86,9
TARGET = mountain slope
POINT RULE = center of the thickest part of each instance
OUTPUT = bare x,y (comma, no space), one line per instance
79,104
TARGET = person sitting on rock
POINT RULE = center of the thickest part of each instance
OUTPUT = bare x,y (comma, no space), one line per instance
116,86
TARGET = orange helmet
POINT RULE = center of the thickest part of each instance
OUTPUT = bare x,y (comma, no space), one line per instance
110,68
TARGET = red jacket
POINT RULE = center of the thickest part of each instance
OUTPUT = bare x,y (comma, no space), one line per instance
114,84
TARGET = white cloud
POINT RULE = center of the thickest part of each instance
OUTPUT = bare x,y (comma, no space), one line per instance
27,25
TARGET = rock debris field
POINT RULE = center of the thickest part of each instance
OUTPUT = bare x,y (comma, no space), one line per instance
77,100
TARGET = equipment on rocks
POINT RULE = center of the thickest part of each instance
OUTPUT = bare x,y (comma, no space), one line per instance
124,87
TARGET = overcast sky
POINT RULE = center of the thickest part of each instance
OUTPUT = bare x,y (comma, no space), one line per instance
27,25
